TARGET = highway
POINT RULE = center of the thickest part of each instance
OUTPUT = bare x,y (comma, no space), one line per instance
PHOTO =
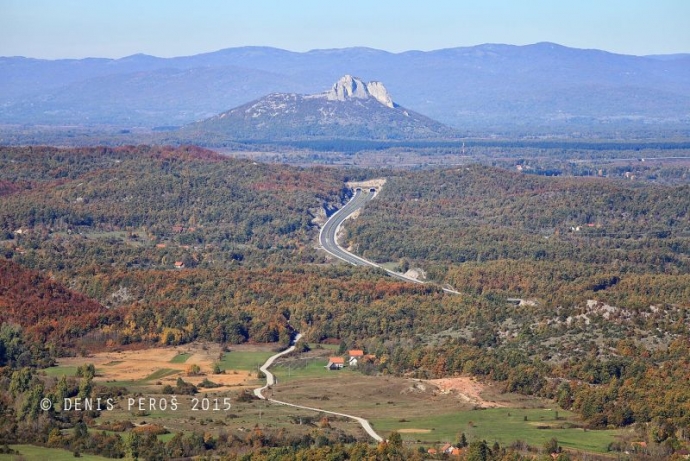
329,231
328,241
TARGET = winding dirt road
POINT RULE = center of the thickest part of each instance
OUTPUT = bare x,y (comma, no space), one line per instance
328,240
271,381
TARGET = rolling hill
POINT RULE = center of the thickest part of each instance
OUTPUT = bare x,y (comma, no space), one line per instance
352,109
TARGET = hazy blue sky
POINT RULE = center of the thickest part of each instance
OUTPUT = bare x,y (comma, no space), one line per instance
105,28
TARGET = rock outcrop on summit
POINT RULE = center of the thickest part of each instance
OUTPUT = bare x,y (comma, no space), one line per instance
352,87
351,109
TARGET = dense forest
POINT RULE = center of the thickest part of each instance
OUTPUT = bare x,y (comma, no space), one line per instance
42,307
599,268
149,207
480,214
113,247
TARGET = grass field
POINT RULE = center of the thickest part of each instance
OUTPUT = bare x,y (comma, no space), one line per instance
140,240
146,381
297,368
60,370
504,425
391,266
166,437
33,453
241,418
422,412
142,370
180,358
308,365
244,360
426,415
158,374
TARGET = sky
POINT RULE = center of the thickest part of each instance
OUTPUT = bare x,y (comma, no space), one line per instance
106,28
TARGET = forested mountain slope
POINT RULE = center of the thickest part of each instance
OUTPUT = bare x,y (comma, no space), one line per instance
531,235
602,269
152,206
184,244
44,307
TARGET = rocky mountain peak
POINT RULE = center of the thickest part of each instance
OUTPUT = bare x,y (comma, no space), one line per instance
349,87
351,109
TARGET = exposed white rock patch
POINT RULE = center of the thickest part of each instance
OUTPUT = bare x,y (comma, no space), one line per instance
379,92
349,87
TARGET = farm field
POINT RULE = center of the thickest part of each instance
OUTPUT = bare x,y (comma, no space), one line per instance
435,411
426,413
145,372
34,453
241,419
502,425
163,365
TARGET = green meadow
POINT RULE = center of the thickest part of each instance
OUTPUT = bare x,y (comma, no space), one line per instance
180,358
34,453
244,360
502,425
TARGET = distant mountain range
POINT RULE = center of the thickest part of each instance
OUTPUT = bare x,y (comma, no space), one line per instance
486,86
351,109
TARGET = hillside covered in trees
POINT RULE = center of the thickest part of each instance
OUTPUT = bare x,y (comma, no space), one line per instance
44,307
104,248
599,267
510,229
148,207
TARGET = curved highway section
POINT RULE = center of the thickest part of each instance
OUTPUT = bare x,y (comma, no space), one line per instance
329,231
329,242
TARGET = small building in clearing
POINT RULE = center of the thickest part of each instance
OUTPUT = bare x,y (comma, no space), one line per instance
335,363
357,353
355,356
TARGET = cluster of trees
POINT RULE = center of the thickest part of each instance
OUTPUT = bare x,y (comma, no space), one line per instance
391,450
666,171
225,306
556,283
637,386
44,307
395,321
558,241
16,350
262,305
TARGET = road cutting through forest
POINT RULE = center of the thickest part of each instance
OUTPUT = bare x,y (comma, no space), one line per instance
329,242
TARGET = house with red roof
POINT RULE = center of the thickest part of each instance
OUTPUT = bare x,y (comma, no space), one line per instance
335,363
